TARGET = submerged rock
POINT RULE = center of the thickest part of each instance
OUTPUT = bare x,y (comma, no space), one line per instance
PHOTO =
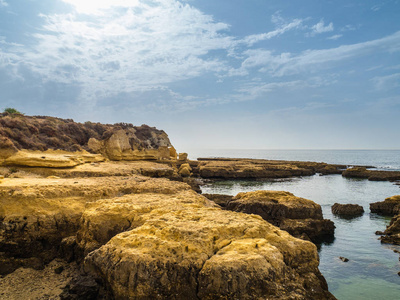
347,210
300,217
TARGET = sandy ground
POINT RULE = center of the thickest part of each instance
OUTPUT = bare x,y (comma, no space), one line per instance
30,284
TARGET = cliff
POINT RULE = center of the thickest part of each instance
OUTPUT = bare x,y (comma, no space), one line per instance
24,139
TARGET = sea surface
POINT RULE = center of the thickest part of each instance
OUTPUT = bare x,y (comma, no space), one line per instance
372,269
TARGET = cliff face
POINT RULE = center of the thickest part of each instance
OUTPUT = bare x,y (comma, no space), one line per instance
120,141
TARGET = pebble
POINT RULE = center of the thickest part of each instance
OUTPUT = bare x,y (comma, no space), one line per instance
343,259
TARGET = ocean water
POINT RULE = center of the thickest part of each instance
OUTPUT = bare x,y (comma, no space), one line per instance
371,272
380,159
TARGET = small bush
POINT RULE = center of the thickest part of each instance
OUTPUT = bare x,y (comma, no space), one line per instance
12,111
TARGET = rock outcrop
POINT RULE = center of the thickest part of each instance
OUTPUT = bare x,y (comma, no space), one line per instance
194,251
392,232
259,168
300,217
151,238
120,141
221,199
364,173
389,207
347,210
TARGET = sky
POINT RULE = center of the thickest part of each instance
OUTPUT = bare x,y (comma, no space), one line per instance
213,74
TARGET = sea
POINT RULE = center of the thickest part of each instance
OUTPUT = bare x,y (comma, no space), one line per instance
372,271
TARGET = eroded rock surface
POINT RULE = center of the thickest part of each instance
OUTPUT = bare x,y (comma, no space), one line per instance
206,253
364,173
389,207
300,217
347,210
37,213
392,232
259,168
152,238
120,141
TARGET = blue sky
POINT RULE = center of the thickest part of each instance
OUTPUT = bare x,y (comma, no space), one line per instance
212,73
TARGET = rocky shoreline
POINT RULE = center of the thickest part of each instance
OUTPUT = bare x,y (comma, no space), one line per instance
119,214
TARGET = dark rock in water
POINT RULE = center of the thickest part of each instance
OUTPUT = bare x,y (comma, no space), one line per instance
343,259
220,199
300,217
372,175
379,232
389,207
347,210
392,232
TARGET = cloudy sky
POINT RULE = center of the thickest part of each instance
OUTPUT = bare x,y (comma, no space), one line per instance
258,74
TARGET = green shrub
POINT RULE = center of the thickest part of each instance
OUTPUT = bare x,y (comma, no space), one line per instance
12,111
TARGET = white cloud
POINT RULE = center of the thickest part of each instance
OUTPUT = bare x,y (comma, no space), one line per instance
335,37
141,48
387,82
3,3
97,7
252,39
287,63
321,28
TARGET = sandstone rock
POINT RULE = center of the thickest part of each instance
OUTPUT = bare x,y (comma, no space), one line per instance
185,170
182,156
109,168
296,215
250,169
220,199
194,252
37,213
120,141
347,210
172,153
363,173
7,148
390,206
392,232
51,159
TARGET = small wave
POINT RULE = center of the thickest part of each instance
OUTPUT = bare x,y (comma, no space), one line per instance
387,168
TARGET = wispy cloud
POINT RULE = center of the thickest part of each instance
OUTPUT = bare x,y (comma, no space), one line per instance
387,82
252,39
141,48
321,28
288,63
3,3
335,37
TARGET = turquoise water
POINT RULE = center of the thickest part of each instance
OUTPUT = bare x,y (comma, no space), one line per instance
371,272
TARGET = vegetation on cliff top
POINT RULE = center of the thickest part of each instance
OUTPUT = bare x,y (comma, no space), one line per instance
43,133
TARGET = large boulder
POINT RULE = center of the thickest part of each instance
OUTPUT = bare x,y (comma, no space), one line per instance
347,210
389,207
37,213
300,217
179,247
